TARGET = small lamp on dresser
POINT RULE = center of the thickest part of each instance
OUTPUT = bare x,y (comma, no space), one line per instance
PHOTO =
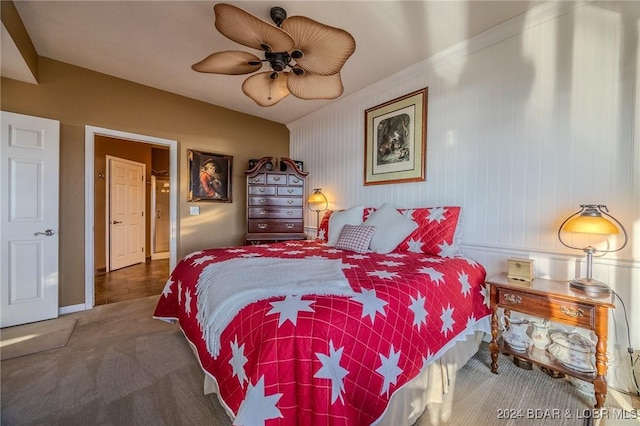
317,202
592,219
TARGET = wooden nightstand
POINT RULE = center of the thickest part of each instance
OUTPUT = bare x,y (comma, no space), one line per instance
554,301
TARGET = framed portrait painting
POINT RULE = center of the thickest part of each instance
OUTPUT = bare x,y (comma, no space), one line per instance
396,140
209,176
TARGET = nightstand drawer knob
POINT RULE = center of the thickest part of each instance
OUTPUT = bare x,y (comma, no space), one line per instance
512,298
571,312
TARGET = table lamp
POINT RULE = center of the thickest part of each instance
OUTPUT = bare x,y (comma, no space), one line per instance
591,219
317,202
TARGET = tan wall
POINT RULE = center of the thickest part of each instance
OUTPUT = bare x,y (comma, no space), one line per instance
78,97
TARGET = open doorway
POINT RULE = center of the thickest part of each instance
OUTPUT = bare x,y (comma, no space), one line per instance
160,156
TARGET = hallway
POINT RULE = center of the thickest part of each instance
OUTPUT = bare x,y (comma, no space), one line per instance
141,280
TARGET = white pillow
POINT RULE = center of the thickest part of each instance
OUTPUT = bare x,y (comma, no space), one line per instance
391,228
351,216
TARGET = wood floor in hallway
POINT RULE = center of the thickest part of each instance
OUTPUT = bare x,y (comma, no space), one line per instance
140,280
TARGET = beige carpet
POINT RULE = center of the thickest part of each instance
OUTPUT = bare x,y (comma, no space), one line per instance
36,337
122,367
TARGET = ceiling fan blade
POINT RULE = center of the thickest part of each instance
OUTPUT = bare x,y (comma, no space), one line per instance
313,86
264,90
325,48
231,62
249,30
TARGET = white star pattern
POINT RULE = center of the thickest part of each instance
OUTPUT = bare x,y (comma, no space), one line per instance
415,246
432,260
463,279
484,290
332,370
349,266
275,249
236,250
435,276
289,308
357,256
419,312
237,361
472,320
166,291
469,261
389,369
385,275
315,256
333,251
293,252
247,255
321,235
408,213
257,407
370,303
397,255
437,214
187,302
390,263
195,253
447,250
447,320
201,260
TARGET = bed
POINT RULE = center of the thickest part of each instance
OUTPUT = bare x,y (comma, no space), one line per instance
332,332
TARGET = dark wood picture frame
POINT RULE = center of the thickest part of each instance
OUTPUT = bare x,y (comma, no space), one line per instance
209,176
396,140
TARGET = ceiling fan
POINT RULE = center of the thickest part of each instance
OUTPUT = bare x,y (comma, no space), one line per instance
305,56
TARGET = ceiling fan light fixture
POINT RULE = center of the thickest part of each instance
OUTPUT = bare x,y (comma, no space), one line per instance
305,56
264,90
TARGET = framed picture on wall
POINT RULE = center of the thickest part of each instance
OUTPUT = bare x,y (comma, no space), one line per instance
209,176
396,140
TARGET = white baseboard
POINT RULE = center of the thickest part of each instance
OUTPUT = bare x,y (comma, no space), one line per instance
71,309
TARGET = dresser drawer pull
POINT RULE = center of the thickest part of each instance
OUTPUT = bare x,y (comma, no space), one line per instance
289,213
289,190
262,201
256,180
296,180
262,226
289,201
261,190
512,298
262,212
277,178
289,225
571,312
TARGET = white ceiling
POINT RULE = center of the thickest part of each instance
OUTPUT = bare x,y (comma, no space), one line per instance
156,42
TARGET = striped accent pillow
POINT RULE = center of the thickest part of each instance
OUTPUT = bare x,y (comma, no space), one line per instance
355,238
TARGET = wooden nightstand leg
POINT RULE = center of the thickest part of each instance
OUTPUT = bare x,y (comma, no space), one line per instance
493,346
600,382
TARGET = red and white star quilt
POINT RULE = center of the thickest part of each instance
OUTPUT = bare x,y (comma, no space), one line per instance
322,359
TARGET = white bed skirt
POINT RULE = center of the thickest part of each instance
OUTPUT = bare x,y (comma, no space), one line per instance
408,403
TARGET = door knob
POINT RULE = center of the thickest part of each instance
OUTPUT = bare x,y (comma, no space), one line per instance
48,232
115,222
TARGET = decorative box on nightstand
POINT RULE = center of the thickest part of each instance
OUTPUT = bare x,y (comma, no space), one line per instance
520,269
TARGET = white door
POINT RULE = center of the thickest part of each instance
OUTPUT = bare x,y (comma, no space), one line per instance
126,212
29,154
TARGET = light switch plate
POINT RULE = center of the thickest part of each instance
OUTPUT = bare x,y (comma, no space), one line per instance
194,210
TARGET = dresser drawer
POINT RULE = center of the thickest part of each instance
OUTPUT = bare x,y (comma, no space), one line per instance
261,190
289,191
275,213
273,201
257,179
273,179
275,225
295,180
554,309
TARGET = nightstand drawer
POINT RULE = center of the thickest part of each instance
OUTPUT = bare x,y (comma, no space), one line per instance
554,309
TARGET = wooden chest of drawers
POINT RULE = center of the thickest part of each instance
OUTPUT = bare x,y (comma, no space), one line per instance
275,202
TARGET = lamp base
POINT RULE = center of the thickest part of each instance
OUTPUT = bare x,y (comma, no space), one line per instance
590,287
